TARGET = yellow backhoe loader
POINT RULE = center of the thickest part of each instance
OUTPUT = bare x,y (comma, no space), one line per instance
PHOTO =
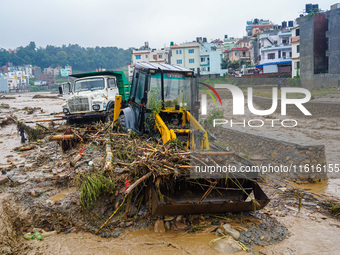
164,103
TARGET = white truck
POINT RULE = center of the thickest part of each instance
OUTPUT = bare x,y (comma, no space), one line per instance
92,95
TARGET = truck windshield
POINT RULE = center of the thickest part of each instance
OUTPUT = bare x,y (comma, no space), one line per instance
176,89
89,84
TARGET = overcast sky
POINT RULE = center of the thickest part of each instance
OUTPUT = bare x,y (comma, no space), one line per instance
129,23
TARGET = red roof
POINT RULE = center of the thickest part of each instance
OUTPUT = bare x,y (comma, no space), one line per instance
175,46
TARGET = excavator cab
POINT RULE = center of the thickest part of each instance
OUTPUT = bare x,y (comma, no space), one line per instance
163,98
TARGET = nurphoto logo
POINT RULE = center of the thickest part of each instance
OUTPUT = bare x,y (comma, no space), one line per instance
238,100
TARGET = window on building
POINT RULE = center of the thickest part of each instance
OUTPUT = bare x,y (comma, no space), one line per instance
279,54
179,61
208,69
178,52
191,51
298,49
297,32
284,41
297,65
138,56
271,56
146,56
244,54
275,42
160,56
284,54
290,54
191,61
202,59
259,45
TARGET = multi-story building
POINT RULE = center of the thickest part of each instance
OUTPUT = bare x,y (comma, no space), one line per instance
241,51
17,80
211,59
320,48
146,54
64,72
3,84
229,43
275,51
257,26
313,46
333,39
52,71
36,72
296,52
186,55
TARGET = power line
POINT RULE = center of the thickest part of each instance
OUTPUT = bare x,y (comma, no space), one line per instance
15,55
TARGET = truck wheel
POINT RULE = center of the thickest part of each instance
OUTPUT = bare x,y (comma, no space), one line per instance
70,121
109,117
110,110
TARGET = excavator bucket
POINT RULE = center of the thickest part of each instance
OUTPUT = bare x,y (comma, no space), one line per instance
189,197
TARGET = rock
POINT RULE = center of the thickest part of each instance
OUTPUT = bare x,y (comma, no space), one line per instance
129,223
169,218
228,229
179,218
133,211
167,225
181,226
227,245
49,233
37,229
34,194
3,179
159,226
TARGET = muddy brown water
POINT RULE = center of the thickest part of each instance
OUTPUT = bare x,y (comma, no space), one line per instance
311,233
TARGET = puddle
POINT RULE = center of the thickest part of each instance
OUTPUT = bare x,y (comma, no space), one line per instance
63,194
330,187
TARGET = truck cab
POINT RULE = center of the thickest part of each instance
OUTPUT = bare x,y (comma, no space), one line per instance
93,94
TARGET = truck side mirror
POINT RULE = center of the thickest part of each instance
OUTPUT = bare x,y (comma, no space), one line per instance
60,90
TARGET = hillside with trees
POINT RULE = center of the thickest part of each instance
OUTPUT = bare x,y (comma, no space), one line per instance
80,58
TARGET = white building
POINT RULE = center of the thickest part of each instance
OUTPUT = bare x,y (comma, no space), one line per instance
146,54
295,51
186,55
275,51
17,80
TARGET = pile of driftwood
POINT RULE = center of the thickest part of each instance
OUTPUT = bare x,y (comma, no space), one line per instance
7,120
